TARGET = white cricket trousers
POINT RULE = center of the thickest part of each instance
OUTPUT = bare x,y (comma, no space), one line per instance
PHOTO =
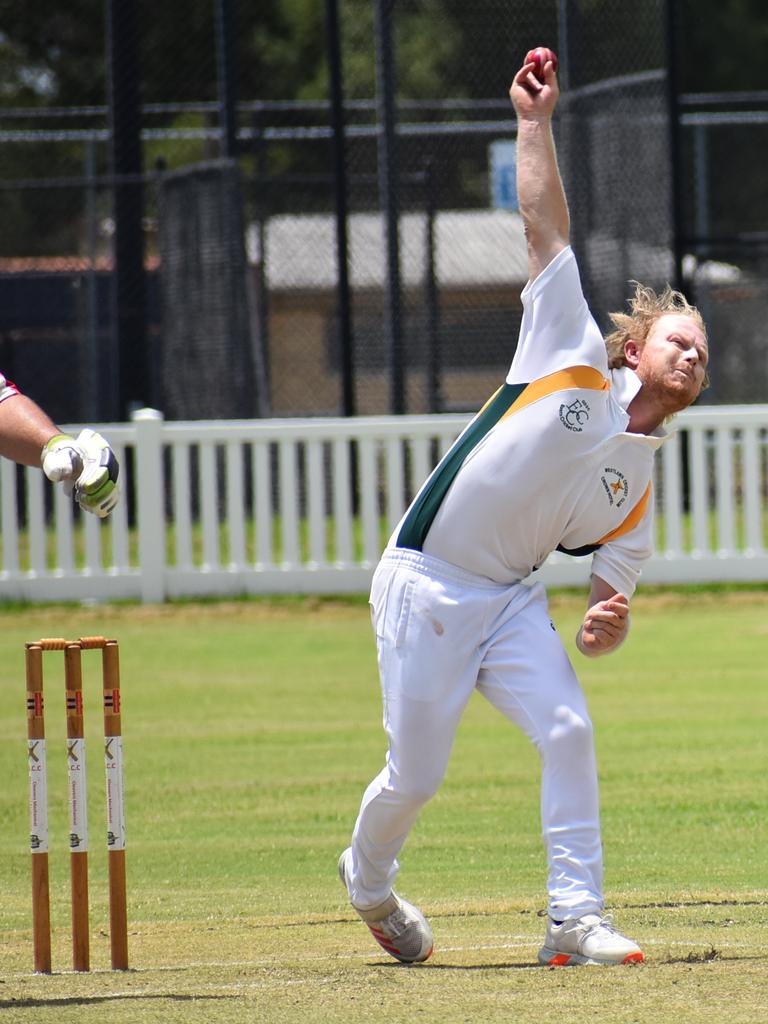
441,633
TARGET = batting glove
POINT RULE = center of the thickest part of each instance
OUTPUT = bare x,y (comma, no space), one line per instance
62,460
87,467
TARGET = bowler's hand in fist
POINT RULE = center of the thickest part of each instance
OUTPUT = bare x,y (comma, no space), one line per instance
534,91
605,626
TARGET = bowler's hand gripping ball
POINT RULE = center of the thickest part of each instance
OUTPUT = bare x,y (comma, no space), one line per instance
539,57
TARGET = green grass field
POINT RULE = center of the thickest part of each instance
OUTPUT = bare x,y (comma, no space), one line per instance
251,730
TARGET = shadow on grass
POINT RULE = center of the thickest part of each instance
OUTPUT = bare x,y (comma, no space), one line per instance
389,964
16,1004
684,904
691,959
707,956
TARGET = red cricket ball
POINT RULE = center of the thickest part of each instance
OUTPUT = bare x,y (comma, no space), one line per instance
539,57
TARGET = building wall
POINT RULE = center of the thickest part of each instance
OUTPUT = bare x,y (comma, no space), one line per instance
478,332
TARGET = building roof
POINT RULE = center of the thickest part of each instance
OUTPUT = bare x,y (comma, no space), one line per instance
63,264
472,248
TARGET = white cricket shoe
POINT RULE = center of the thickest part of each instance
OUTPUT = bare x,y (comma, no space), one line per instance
590,939
398,927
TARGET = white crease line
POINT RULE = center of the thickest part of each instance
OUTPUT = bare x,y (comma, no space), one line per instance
245,986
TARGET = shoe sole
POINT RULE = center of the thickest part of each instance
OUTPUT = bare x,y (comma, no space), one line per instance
551,958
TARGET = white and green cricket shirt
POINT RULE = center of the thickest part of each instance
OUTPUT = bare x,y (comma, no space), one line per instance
547,463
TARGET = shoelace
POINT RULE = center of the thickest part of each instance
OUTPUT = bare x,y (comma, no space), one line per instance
605,923
396,923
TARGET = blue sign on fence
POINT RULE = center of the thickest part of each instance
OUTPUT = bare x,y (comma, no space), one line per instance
503,165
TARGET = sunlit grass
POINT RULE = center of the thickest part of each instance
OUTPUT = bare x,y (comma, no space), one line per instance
251,730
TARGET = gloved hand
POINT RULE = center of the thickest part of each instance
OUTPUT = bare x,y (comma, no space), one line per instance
62,461
87,467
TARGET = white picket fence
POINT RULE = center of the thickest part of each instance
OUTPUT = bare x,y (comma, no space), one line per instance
305,506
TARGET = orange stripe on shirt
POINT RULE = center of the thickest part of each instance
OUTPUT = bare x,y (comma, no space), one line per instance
586,377
631,520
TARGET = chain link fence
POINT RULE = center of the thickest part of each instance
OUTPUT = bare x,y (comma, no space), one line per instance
204,227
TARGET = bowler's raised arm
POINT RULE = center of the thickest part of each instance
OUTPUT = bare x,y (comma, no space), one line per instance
540,190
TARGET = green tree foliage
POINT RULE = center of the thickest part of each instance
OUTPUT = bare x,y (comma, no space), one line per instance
723,46
50,55
282,51
54,54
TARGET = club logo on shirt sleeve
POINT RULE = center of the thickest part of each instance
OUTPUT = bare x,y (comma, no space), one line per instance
575,415
616,486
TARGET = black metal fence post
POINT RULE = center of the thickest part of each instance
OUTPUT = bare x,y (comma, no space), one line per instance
343,305
388,198
128,290
225,63
675,143
261,282
433,367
